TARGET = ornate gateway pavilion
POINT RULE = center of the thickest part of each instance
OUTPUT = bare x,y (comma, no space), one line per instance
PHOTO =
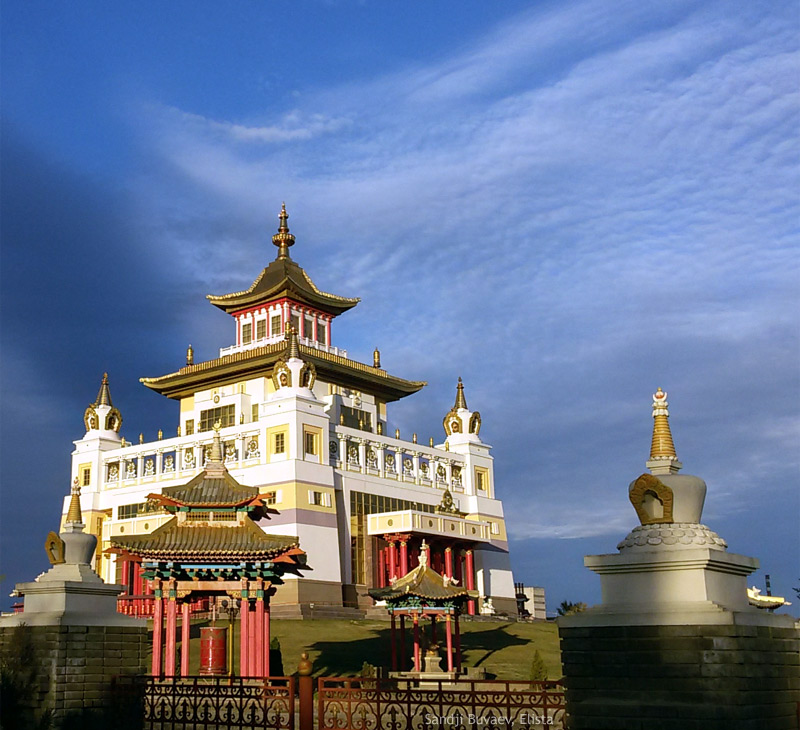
306,426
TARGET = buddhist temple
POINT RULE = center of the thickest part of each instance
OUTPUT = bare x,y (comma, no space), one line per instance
307,427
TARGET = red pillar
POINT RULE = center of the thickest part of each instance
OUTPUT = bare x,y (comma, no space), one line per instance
449,642
186,626
394,643
448,562
244,636
258,644
158,628
403,557
172,625
392,560
470,571
137,588
417,663
266,638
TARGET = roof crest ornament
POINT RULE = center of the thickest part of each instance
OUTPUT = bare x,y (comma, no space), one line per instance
423,553
283,239
215,457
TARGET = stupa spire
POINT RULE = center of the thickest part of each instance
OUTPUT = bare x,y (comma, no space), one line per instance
74,515
104,394
283,239
215,457
461,401
292,344
663,457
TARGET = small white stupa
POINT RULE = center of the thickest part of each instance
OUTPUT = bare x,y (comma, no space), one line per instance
670,568
71,592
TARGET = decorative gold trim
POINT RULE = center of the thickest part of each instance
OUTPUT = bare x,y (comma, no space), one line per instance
54,547
648,484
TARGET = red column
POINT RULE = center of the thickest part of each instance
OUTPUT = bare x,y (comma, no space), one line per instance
392,560
186,626
417,664
137,588
470,571
403,557
394,643
172,625
449,642
258,644
448,562
158,628
266,637
244,636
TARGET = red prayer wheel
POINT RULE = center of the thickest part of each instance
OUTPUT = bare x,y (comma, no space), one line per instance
213,650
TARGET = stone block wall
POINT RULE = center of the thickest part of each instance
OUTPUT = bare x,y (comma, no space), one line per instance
715,677
75,665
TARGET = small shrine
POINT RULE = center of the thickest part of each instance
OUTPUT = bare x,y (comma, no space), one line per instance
420,594
212,546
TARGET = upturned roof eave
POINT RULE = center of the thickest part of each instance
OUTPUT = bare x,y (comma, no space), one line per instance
259,362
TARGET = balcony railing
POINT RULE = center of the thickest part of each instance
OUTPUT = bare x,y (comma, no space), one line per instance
437,525
281,338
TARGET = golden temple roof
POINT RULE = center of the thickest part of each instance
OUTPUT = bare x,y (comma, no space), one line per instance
283,278
259,362
244,541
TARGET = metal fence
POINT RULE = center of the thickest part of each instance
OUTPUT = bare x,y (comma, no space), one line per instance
203,703
381,704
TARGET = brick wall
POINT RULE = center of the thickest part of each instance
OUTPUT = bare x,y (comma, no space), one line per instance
75,665
725,677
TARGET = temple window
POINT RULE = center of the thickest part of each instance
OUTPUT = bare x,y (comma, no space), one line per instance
247,333
270,498
275,325
279,444
261,329
189,426
319,499
481,479
356,418
308,333
295,320
322,333
310,443
86,476
254,412
226,415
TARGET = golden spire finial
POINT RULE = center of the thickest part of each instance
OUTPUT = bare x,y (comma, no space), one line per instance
190,355
423,553
104,395
663,458
293,345
216,445
283,239
461,401
74,513
662,446
376,358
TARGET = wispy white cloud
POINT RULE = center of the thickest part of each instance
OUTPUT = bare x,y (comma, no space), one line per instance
586,200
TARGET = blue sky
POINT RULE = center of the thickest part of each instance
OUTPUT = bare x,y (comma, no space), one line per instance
566,204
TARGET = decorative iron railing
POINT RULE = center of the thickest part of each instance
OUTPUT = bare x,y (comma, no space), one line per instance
203,703
397,704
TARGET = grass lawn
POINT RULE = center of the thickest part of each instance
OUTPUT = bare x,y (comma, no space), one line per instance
340,647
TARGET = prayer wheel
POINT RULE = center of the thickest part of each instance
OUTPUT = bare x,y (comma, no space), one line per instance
213,650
